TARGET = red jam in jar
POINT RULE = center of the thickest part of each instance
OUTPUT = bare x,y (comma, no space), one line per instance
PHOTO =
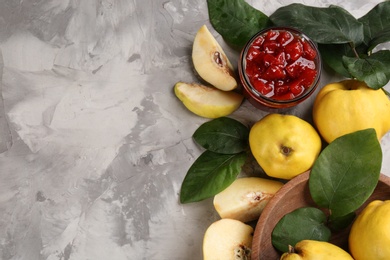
281,66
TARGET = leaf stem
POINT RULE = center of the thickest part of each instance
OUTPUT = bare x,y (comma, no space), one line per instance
354,49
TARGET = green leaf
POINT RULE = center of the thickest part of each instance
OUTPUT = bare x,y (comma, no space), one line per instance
223,135
332,55
302,223
374,69
323,25
346,172
375,22
210,174
339,223
236,20
382,37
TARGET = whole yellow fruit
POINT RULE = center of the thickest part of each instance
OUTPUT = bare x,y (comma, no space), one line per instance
369,238
348,106
316,250
284,145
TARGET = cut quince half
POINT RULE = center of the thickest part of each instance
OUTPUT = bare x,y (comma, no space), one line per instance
211,62
207,101
245,198
227,239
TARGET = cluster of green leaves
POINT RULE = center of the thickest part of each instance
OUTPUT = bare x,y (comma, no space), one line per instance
346,44
341,180
225,141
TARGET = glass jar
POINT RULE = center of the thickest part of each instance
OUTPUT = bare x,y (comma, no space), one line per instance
279,67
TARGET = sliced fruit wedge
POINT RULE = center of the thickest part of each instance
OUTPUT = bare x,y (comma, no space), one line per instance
211,62
227,239
245,198
207,101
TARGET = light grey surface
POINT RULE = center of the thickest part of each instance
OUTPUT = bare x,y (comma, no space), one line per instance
94,143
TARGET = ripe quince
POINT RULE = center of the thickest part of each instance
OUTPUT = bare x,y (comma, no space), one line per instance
211,62
369,238
208,102
316,250
227,239
284,145
245,198
350,105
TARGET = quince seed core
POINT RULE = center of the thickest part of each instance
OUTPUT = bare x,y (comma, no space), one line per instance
218,59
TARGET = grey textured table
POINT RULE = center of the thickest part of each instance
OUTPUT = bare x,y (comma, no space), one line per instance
94,144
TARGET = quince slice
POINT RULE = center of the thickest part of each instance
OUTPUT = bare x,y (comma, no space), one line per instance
211,62
245,198
227,239
207,101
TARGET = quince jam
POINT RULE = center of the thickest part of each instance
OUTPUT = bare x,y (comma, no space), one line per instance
281,64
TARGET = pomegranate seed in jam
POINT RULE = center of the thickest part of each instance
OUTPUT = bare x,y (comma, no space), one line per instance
281,65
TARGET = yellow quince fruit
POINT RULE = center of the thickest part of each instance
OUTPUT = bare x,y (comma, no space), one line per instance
245,198
350,105
227,239
284,145
208,102
316,250
211,62
369,238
